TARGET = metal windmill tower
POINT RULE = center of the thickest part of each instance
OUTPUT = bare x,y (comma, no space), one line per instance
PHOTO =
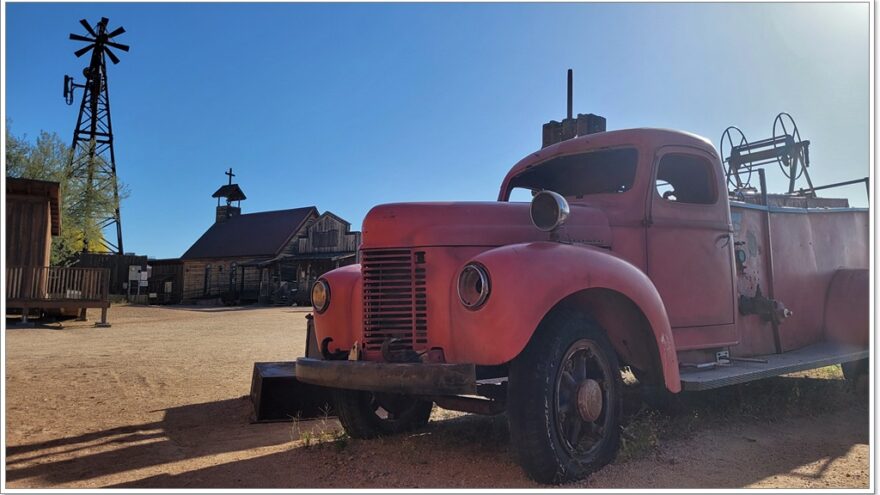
93,164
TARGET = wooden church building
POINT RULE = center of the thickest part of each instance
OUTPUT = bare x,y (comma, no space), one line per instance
269,256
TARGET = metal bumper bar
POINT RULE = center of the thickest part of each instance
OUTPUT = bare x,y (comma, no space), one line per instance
401,378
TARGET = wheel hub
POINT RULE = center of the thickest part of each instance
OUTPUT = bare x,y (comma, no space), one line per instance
589,400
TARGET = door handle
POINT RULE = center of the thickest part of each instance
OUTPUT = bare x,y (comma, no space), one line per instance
726,238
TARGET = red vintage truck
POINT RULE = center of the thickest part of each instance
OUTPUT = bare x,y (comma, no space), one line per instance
632,253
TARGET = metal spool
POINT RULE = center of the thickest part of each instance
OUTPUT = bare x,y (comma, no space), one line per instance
728,143
786,135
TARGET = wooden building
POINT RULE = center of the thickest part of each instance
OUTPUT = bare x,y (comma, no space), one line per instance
33,216
270,256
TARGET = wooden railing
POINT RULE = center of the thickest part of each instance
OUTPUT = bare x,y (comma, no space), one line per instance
33,285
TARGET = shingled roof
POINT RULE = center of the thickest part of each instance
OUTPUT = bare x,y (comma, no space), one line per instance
253,234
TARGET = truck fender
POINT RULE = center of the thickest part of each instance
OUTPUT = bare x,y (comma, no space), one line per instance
531,279
342,320
847,307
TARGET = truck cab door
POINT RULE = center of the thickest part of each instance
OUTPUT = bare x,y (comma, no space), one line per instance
689,246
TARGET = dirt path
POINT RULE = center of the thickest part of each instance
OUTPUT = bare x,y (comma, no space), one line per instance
158,400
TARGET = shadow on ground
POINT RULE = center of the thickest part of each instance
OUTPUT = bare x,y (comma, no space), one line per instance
185,432
467,451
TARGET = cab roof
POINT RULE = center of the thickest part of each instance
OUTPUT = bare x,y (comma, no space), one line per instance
639,137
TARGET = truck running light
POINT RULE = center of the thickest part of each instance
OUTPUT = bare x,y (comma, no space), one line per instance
320,295
549,210
473,286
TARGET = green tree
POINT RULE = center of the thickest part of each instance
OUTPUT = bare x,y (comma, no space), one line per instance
47,158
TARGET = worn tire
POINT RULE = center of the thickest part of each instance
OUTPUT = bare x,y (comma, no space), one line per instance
360,413
535,411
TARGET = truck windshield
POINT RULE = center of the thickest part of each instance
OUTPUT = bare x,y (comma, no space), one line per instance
606,171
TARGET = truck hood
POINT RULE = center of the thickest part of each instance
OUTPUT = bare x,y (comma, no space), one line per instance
474,224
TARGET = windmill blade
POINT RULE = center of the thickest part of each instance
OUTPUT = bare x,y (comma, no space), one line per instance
82,51
116,32
118,46
113,57
76,37
86,25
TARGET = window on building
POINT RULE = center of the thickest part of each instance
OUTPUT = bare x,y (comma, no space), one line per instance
685,178
325,239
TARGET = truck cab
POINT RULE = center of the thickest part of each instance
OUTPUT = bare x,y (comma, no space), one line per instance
630,253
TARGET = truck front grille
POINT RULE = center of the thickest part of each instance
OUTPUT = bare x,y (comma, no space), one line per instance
395,299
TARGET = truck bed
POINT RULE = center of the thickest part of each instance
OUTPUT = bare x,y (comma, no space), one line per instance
810,357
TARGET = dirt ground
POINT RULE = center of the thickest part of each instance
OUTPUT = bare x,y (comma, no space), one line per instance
160,400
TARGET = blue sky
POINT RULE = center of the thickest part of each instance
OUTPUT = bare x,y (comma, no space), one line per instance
345,106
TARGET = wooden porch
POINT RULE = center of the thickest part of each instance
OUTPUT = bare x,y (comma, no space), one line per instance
49,287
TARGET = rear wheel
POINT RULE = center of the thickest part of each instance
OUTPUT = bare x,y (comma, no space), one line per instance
370,415
564,400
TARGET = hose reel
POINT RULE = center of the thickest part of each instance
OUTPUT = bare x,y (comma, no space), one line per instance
785,148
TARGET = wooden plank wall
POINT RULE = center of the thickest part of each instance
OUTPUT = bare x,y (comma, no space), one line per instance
28,231
314,239
118,265
218,277
162,272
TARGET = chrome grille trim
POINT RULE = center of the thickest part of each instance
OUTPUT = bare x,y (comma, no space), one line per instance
395,298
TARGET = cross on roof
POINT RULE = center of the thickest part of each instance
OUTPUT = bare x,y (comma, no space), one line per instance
232,192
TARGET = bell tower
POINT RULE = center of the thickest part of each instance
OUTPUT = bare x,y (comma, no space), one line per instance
231,193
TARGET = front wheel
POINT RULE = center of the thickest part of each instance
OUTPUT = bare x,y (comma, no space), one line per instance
370,415
564,401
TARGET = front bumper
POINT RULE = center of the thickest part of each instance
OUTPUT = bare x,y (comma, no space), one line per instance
399,378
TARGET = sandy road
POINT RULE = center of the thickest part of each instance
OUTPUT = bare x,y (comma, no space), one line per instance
158,400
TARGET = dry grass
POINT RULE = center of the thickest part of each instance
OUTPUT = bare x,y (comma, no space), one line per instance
808,393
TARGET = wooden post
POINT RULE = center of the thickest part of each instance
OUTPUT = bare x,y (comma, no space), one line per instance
103,323
24,318
105,296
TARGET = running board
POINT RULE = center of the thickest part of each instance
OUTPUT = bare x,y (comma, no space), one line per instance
806,358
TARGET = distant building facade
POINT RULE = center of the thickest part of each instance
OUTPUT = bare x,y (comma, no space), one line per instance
270,256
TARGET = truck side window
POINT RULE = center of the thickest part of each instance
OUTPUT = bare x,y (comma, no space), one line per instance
686,179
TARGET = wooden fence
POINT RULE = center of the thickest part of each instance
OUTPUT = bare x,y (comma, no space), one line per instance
47,287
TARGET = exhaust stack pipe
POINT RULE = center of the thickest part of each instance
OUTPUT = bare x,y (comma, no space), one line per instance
554,132
570,79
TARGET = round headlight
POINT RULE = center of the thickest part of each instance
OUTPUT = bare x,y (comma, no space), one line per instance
321,295
549,210
473,286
